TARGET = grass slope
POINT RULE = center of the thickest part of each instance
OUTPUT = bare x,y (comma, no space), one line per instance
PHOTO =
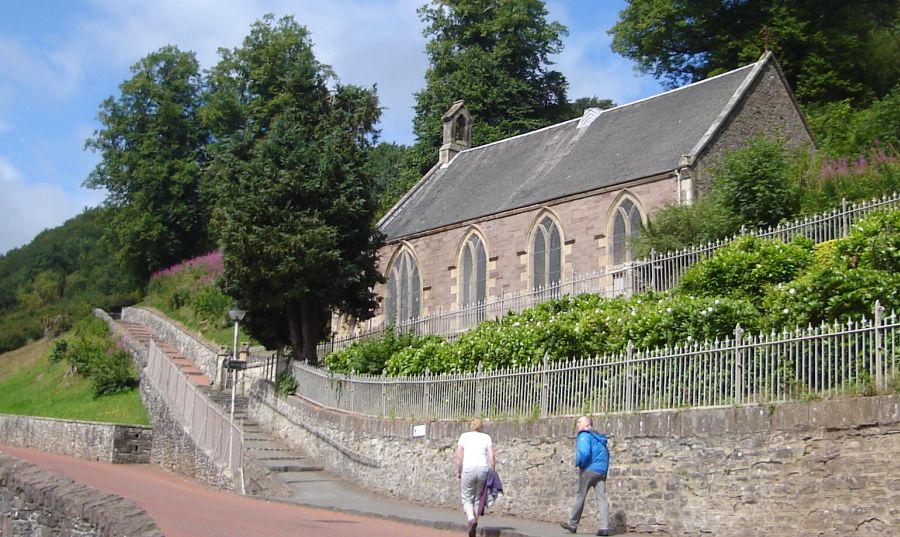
31,385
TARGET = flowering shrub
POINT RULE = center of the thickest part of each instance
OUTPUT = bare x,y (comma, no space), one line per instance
189,291
207,266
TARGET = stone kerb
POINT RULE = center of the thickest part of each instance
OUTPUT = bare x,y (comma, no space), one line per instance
34,501
203,355
94,441
800,469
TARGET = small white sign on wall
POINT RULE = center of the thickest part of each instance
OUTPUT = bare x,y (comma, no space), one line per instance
418,431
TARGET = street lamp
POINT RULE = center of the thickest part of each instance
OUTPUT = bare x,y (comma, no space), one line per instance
236,315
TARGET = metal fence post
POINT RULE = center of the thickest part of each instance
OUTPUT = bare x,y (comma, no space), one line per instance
352,388
629,377
383,393
427,391
738,365
653,269
845,218
479,379
879,347
545,386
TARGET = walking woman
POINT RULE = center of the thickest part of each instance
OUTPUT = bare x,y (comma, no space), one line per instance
474,455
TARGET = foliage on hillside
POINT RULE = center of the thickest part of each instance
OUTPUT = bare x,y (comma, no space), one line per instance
828,49
763,285
763,184
60,275
189,293
33,385
91,353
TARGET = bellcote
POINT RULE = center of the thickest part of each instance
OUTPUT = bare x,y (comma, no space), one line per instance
457,132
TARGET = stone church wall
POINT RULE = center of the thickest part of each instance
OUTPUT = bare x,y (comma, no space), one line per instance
767,109
803,469
584,221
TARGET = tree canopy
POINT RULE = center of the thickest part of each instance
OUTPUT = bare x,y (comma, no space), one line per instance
152,154
296,211
829,49
494,55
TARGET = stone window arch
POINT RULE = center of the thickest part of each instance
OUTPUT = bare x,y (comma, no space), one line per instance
546,253
403,299
625,227
473,263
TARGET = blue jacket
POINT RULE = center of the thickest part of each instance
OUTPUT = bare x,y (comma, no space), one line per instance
591,452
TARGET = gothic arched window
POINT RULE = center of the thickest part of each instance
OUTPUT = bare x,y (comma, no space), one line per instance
546,254
473,271
626,227
404,289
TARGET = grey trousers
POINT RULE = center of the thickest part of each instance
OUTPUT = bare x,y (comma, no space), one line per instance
586,480
470,486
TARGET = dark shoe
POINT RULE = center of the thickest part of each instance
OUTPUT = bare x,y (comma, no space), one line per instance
472,527
603,532
569,527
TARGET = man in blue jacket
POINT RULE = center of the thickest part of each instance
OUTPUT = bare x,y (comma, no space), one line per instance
592,460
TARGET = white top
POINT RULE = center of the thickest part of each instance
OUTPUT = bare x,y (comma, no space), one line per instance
475,446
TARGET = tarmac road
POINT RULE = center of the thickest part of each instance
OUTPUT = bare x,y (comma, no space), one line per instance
183,508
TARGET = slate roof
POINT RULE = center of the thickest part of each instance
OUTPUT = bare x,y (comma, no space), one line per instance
628,142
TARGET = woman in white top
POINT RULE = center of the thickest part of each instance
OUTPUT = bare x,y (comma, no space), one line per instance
474,455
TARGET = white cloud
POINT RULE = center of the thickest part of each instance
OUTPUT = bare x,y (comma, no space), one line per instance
29,208
365,42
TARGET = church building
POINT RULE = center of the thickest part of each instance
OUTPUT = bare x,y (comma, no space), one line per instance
529,213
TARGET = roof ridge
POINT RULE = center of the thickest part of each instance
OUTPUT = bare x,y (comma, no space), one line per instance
607,110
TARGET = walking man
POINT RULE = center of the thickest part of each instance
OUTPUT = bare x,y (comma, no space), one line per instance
592,460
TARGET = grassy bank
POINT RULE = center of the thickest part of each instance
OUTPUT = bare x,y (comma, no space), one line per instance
32,385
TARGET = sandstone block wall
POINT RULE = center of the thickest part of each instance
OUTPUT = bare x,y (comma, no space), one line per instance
203,355
806,469
37,502
107,442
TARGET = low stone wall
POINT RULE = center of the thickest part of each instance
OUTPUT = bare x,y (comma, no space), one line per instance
106,442
34,501
817,469
198,351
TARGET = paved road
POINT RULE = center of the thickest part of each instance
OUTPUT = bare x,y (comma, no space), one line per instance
183,508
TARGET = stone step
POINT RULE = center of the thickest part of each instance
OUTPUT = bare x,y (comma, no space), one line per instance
291,465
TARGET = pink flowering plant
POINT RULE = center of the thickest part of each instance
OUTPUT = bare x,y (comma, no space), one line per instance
189,291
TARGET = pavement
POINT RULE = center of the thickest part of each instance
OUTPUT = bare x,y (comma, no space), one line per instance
320,489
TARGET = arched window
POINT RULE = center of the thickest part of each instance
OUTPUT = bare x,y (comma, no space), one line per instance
546,254
626,227
473,271
404,290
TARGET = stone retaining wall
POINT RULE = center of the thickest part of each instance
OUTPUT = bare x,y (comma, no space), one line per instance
198,351
817,469
106,442
34,501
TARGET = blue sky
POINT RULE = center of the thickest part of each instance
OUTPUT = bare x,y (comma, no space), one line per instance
60,58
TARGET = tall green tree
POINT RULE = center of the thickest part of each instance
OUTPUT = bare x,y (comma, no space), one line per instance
495,55
829,49
152,154
296,213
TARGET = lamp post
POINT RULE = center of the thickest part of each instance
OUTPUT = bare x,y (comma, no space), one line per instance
236,315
